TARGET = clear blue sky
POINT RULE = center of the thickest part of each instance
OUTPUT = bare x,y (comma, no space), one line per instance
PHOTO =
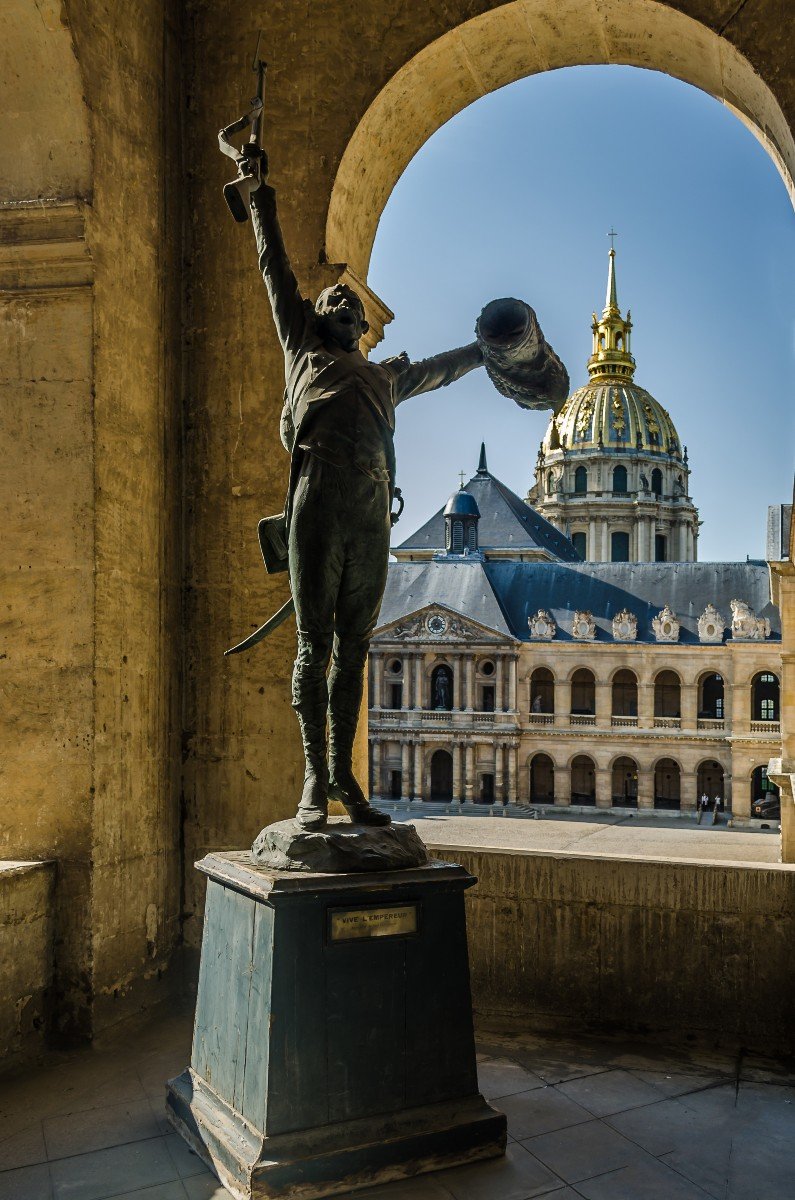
515,195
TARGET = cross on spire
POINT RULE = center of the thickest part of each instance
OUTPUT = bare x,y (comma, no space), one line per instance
612,235
461,477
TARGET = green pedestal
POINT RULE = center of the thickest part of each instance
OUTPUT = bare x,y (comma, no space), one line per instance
333,1046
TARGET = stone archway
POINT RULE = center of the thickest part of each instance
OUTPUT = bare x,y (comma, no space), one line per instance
515,40
441,775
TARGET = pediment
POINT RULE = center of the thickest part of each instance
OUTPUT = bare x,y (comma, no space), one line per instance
438,623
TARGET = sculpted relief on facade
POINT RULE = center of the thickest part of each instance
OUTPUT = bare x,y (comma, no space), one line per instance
746,625
710,625
625,626
583,627
666,625
542,626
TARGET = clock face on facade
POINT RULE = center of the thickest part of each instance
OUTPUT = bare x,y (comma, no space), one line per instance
436,625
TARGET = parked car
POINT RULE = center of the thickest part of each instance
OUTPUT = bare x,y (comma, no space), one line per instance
769,807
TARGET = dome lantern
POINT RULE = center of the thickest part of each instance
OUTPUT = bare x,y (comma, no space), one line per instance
461,516
610,358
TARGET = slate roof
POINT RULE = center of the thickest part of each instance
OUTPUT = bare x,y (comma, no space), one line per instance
461,586
503,595
506,523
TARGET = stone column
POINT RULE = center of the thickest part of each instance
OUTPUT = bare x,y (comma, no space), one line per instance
645,787
378,681
688,791
513,697
562,786
740,708
417,770
513,755
646,705
499,779
470,672
591,552
419,672
604,703
499,698
563,702
689,705
376,769
405,766
605,541
469,772
408,681
457,682
604,791
456,749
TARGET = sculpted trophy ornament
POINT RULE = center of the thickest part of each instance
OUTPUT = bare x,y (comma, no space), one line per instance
337,425
711,625
746,625
666,625
542,626
583,627
625,626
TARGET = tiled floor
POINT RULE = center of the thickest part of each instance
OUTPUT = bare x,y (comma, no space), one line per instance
594,1120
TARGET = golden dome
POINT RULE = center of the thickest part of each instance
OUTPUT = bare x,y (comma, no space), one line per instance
617,415
611,410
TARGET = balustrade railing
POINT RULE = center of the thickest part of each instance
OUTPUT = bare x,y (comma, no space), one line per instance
667,722
769,727
541,718
711,723
623,722
583,718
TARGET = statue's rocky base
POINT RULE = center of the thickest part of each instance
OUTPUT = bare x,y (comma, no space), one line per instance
338,847
333,1046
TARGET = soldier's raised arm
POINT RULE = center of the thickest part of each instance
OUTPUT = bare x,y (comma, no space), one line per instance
412,378
289,307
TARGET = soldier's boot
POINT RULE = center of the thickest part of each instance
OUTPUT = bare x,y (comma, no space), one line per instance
311,705
345,697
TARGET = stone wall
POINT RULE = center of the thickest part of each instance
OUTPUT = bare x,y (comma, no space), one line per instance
672,949
26,958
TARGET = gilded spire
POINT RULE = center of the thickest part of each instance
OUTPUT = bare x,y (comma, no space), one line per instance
611,299
611,358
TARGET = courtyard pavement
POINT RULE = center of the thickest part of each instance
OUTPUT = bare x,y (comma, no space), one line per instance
598,1120
607,835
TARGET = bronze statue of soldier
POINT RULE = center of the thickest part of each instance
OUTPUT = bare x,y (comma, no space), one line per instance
338,425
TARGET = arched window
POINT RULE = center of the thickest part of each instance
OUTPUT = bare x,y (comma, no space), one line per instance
625,694
667,695
550,482
583,780
765,697
578,541
441,775
619,479
656,481
667,782
660,547
583,693
542,691
442,688
457,543
619,546
619,341
581,480
625,783
542,780
710,698
472,537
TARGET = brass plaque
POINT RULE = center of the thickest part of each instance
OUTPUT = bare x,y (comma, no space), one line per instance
394,920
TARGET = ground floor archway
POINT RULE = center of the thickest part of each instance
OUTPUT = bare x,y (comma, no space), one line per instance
667,784
583,780
710,782
441,775
542,780
624,783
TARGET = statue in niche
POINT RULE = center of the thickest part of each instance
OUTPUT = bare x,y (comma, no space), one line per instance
338,426
644,482
441,690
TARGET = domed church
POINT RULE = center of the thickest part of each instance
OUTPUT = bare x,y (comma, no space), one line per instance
611,471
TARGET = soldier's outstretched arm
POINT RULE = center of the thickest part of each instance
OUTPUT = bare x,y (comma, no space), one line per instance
412,378
289,308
